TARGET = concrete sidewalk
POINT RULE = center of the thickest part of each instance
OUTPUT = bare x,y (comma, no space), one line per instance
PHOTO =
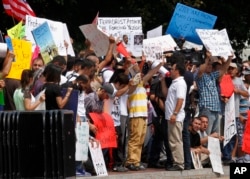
150,173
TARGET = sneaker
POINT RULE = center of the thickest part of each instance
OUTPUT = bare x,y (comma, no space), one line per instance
82,173
120,169
132,167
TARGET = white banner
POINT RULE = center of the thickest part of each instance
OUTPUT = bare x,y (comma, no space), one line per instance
153,48
57,29
230,122
215,42
215,154
119,26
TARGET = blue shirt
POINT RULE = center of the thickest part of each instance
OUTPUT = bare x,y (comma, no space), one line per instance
208,92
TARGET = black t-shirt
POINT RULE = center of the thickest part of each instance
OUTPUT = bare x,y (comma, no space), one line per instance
51,93
195,140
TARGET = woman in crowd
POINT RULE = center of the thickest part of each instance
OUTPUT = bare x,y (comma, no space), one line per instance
23,98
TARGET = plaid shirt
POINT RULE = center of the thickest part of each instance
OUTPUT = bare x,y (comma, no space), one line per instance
208,92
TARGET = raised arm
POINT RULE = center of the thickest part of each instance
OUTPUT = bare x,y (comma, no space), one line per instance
7,64
109,54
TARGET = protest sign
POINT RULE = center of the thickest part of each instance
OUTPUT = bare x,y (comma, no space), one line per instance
153,48
99,40
15,32
196,160
97,159
186,19
22,51
105,129
44,40
216,42
190,45
246,136
70,50
119,26
56,28
156,32
230,123
82,141
3,50
215,154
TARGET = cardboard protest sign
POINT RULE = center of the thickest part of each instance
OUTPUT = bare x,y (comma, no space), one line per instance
82,141
56,28
153,48
44,40
230,122
216,42
246,138
105,129
215,154
22,51
15,32
186,19
97,159
119,26
99,40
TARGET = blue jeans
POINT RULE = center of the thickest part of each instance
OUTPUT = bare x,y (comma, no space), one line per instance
213,120
227,150
186,140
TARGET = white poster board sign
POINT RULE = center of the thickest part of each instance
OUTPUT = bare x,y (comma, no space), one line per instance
82,141
214,42
57,30
97,159
156,32
215,154
98,39
153,48
119,26
230,122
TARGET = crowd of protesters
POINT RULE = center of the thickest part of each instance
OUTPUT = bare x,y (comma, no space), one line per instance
179,111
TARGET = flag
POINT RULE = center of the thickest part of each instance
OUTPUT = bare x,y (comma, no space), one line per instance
18,9
95,21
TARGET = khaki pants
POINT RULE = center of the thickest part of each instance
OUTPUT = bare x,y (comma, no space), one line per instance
137,131
176,143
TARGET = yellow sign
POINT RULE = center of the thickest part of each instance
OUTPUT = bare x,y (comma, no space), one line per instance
23,53
15,32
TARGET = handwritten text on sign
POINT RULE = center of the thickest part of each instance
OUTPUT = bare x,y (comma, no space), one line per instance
22,51
186,19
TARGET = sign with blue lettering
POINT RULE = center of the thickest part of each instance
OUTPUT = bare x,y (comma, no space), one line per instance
186,19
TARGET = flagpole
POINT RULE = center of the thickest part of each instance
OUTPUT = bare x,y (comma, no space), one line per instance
13,20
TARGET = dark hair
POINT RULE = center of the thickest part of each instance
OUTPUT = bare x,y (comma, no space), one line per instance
52,73
86,63
59,60
203,115
82,78
121,78
27,74
181,68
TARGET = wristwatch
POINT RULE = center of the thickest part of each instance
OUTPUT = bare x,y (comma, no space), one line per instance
175,113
